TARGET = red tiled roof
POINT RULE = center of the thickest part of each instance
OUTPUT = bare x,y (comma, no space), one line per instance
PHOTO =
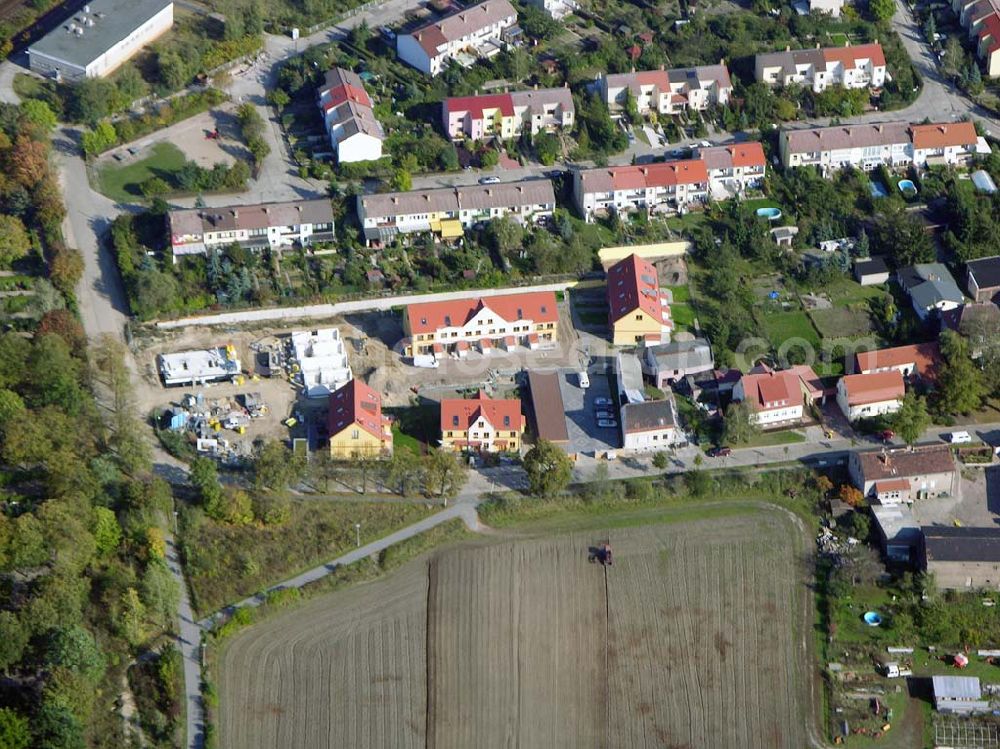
664,174
943,134
770,389
458,414
874,388
475,105
633,284
923,356
537,306
356,404
847,56
892,485
346,92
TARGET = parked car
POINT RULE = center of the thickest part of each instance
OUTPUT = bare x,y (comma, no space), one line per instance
489,180
584,379
607,423
603,415
958,438
720,452
602,402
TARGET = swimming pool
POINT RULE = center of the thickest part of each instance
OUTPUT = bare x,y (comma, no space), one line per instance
877,190
906,186
771,214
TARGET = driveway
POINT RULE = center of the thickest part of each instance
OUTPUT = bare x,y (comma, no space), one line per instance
585,437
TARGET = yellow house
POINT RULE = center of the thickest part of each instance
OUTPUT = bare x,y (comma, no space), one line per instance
637,310
356,424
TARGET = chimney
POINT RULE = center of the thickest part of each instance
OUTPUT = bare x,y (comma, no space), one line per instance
879,128
236,213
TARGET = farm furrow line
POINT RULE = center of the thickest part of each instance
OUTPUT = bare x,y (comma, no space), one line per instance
753,725
431,650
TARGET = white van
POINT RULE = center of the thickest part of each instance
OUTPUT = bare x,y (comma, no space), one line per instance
584,379
957,438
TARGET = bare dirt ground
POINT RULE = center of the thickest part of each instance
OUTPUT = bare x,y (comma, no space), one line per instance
189,136
692,639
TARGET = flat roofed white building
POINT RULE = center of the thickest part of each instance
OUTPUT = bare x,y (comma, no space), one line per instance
101,37
198,367
322,359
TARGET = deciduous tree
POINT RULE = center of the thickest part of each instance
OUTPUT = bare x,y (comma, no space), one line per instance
912,419
14,241
549,469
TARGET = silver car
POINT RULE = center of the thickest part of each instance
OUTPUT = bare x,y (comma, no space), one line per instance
607,423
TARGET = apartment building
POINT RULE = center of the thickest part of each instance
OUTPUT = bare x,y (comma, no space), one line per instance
355,133
96,41
457,326
449,211
668,91
863,396
508,115
638,311
476,30
862,66
655,188
723,171
869,146
982,19
481,424
196,231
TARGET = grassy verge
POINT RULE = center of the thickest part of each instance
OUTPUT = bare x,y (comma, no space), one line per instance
225,563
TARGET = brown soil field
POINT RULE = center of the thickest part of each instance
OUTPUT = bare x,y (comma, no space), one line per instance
692,639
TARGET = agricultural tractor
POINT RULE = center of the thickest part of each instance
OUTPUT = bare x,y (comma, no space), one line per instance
601,553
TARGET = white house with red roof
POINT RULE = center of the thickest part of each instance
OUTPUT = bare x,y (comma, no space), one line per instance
669,185
481,424
355,133
779,397
355,423
982,19
488,323
638,311
864,396
668,91
918,360
507,115
861,66
476,29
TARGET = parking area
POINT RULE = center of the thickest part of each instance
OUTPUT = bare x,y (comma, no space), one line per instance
978,507
585,436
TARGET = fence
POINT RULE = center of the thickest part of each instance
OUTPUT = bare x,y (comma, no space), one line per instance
339,18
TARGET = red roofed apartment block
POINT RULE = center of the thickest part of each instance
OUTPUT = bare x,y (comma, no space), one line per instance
481,424
531,319
638,311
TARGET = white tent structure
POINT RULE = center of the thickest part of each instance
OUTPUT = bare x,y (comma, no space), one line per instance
322,361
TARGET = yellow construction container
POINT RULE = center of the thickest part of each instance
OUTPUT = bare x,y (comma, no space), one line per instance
239,379
241,430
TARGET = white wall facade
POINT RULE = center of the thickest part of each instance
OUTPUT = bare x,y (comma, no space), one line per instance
357,147
657,439
865,410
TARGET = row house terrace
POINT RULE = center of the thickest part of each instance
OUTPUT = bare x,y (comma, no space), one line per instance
982,19
651,187
507,115
668,91
862,66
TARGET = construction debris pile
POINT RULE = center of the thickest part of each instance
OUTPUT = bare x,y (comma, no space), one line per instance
204,420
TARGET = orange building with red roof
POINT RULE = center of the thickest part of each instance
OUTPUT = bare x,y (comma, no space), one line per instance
355,423
637,309
481,424
453,326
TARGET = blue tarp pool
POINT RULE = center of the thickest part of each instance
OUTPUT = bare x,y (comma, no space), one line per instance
872,618
878,190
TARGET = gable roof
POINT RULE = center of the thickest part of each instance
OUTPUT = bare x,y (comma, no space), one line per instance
874,387
461,413
925,358
768,389
878,465
356,404
871,266
633,284
193,221
930,283
735,156
944,134
695,354
460,24
476,105
649,416
986,271
454,199
644,177
537,306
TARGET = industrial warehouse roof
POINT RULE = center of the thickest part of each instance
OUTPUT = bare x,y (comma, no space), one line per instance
950,544
195,221
454,199
547,405
957,687
918,461
113,21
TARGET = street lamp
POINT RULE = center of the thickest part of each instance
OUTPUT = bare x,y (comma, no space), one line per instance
357,530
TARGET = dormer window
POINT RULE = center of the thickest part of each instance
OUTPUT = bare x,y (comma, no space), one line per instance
506,421
454,420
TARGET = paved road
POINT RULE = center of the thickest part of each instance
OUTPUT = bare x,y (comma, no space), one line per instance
189,642
342,308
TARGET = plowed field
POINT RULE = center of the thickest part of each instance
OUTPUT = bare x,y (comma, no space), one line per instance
692,639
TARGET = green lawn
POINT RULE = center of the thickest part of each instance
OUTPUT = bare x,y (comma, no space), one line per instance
682,315
121,181
416,428
592,317
782,326
403,441
681,294
840,322
845,291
